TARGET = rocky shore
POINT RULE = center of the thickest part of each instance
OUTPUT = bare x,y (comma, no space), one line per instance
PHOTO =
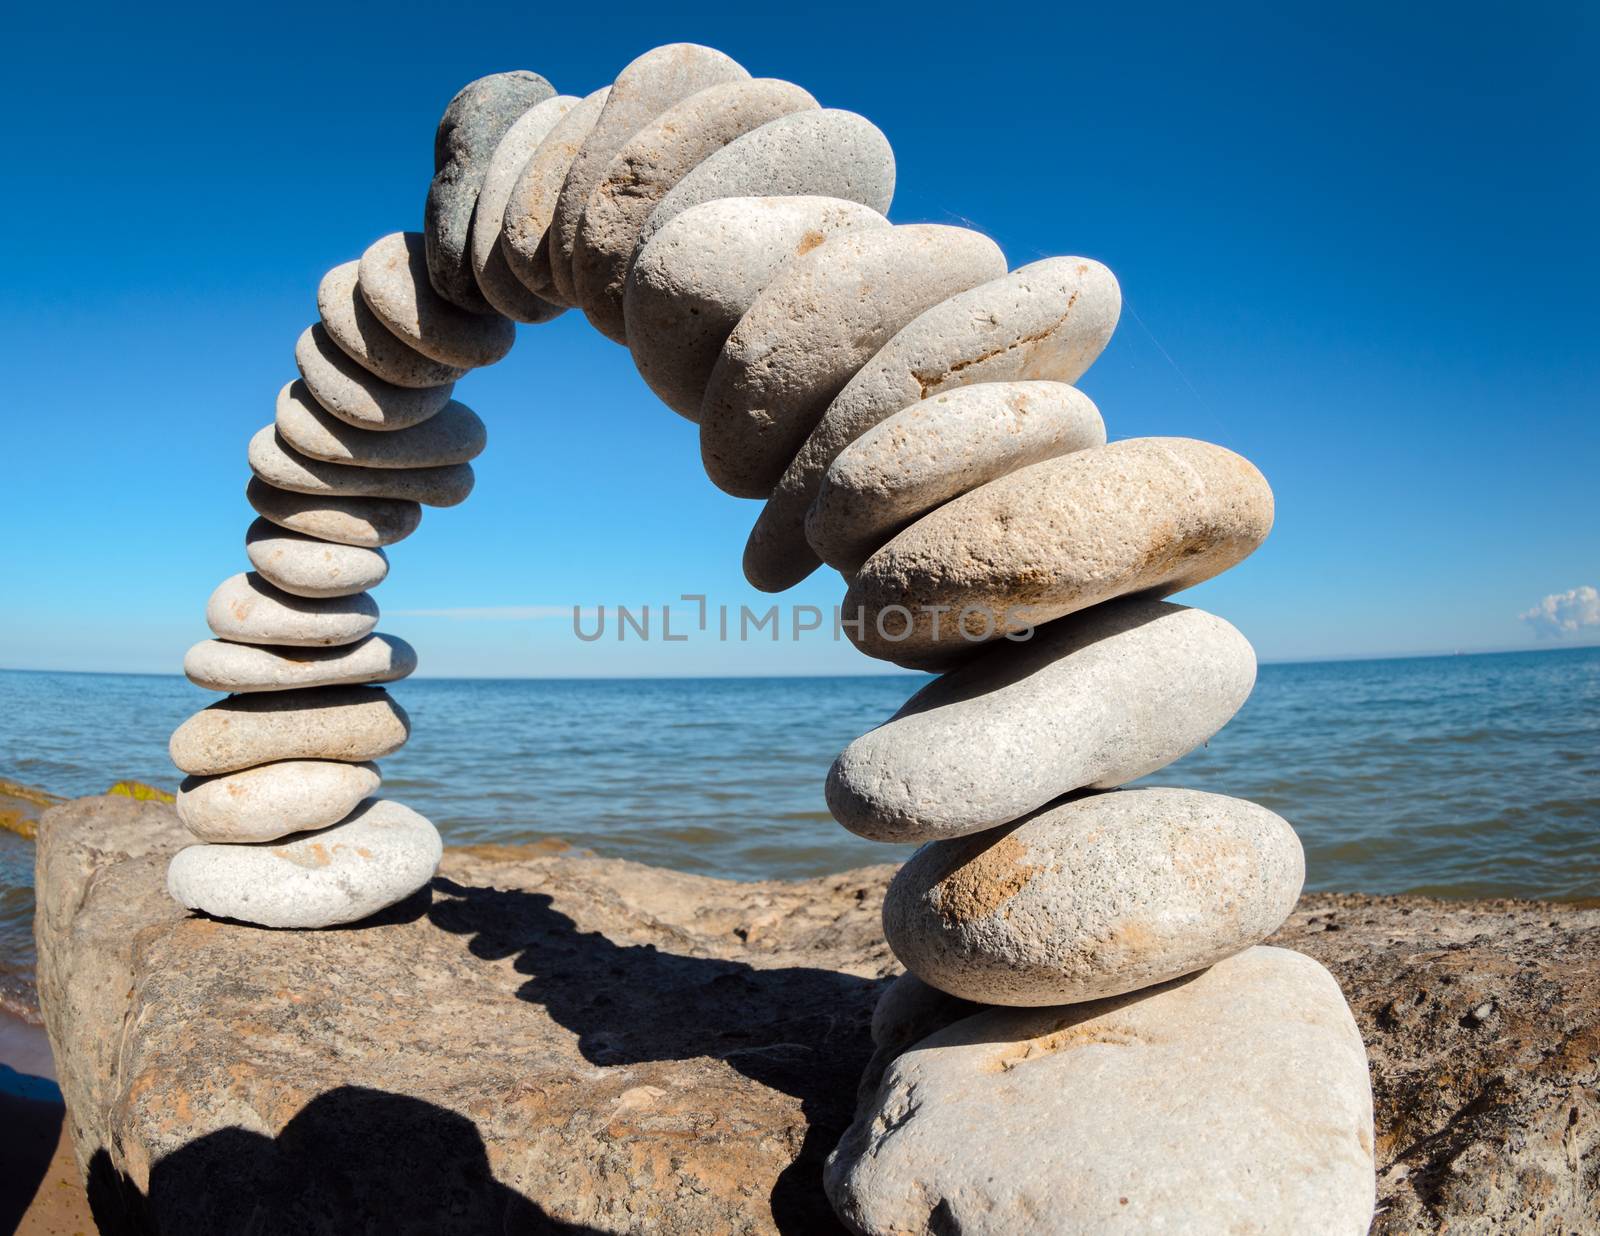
548,1041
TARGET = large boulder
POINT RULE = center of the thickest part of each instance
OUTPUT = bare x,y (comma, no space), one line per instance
549,1041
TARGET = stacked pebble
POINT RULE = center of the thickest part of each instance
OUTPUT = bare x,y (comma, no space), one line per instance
905,406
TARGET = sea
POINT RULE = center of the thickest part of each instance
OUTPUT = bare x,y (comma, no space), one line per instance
1463,776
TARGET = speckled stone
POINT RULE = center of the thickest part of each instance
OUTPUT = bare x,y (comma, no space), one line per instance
524,235
394,282
219,665
318,723
646,169
471,127
1050,319
247,609
1094,897
692,283
380,854
811,329
453,435
1235,1101
366,340
1144,515
273,800
345,389
648,86
278,464
1098,699
366,522
938,449
499,283
309,567
825,153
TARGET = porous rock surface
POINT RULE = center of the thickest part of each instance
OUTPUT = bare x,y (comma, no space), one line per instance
550,1041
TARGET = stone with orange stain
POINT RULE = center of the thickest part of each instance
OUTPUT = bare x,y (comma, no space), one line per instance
247,609
1101,895
379,854
1233,1101
273,800
1146,516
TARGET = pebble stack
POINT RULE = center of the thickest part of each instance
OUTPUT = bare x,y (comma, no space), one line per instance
1090,1036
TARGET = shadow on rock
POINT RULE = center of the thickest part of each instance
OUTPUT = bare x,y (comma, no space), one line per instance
801,1031
351,1161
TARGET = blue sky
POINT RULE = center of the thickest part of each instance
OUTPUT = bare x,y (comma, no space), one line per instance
1356,244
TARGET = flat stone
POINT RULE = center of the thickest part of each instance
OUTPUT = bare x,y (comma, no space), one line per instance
356,396
1050,320
811,329
452,435
318,723
648,86
645,170
309,567
721,1026
278,464
1235,1101
221,665
1144,515
381,853
824,153
1095,700
501,287
471,127
394,281
1096,896
366,522
247,609
363,337
700,274
524,236
273,800
936,450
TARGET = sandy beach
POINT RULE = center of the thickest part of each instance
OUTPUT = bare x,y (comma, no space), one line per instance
41,1193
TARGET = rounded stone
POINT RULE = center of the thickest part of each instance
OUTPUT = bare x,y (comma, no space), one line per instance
688,288
1144,515
811,329
648,86
646,169
500,285
309,567
247,609
273,800
1234,1101
357,397
366,522
1095,700
318,723
823,153
394,282
219,665
452,435
936,450
1050,319
471,127
1097,896
380,854
278,464
366,340
525,233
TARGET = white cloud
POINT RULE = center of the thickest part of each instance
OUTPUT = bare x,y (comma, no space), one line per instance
1562,613
493,613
